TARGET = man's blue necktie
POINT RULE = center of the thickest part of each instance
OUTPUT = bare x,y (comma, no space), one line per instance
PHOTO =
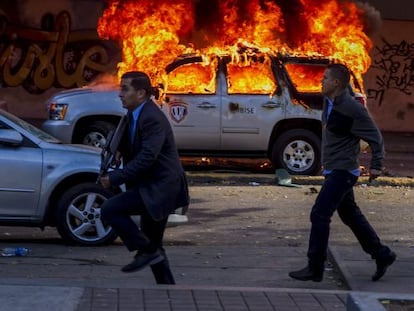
131,128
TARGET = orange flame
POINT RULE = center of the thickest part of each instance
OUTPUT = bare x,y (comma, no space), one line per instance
154,33
198,80
305,78
245,76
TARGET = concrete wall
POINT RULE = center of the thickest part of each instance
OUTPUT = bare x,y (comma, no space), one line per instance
394,9
389,83
47,46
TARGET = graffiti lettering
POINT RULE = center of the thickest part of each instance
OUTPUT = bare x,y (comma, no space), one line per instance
394,66
38,59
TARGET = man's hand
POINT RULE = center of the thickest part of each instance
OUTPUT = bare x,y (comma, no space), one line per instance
105,182
374,173
116,162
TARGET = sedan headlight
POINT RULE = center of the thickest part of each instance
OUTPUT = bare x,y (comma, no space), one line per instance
57,111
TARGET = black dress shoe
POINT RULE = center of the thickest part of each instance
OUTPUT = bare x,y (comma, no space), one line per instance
307,274
382,265
141,260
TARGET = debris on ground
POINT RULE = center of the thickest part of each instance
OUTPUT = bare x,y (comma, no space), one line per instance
283,178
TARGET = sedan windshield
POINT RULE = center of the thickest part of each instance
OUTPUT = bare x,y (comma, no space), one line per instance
31,128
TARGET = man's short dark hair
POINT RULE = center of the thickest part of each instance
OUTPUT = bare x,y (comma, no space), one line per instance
340,72
139,81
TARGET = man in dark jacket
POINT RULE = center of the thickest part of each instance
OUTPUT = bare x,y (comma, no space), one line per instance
344,122
154,178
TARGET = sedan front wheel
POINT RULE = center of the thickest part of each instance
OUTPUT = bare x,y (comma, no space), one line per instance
78,215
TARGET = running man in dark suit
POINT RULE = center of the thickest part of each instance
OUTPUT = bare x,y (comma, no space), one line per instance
154,177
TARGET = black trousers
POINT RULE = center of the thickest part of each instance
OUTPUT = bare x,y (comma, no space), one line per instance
337,194
117,212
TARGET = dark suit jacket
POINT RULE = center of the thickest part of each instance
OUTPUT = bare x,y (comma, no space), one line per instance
152,165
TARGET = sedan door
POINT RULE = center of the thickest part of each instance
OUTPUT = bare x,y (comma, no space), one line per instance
20,180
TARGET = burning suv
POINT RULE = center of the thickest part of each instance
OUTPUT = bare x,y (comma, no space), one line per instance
258,106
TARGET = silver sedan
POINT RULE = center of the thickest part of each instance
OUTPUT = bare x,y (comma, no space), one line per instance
46,183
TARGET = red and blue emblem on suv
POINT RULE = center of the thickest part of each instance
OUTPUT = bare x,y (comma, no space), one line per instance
178,111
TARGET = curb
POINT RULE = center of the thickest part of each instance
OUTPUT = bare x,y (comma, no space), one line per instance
359,300
342,270
367,301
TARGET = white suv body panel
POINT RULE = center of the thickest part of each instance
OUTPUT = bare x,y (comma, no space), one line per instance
82,102
198,124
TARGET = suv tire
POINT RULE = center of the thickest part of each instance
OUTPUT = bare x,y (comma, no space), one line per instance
95,134
298,151
78,215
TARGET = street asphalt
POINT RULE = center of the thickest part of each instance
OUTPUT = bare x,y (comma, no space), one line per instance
208,278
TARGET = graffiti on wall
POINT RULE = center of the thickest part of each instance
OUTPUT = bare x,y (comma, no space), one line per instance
393,65
38,59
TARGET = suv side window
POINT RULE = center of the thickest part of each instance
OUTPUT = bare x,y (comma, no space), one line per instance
306,78
252,77
182,79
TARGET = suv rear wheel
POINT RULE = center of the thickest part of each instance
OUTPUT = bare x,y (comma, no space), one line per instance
298,151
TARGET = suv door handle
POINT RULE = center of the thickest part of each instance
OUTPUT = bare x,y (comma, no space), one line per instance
206,105
271,105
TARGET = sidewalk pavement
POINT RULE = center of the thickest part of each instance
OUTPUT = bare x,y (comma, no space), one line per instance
239,279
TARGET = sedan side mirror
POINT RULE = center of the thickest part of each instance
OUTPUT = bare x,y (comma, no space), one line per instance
10,137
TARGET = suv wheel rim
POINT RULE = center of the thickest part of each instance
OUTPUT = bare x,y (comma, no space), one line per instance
84,218
298,156
95,139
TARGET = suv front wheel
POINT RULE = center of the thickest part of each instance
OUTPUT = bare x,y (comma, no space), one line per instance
298,151
95,134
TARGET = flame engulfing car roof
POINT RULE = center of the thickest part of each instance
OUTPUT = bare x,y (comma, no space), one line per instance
304,73
152,33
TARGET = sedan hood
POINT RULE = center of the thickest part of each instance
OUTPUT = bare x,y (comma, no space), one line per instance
72,148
